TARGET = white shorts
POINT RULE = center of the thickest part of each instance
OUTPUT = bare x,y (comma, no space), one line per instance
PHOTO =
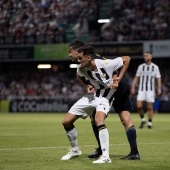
148,96
83,107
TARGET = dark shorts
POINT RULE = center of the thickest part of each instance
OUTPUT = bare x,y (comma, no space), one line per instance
122,100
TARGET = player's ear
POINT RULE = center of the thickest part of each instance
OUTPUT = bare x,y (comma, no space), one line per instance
89,57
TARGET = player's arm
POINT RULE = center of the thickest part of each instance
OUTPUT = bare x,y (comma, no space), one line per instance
86,83
158,86
115,82
126,61
135,81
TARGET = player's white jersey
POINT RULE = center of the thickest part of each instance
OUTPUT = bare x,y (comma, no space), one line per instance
103,77
147,74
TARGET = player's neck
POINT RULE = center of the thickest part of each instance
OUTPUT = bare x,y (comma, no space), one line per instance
148,63
92,66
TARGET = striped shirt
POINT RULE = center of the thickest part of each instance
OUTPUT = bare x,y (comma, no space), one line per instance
147,75
103,77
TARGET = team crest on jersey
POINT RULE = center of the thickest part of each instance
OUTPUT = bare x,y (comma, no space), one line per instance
104,76
106,63
152,68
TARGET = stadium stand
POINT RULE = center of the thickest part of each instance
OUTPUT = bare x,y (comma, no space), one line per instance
32,82
40,21
58,21
137,20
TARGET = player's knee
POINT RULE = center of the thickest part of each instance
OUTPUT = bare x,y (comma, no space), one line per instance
149,108
127,122
139,107
65,123
99,121
123,122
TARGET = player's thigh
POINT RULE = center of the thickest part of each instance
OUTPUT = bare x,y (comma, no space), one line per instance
69,118
82,108
149,105
102,105
139,104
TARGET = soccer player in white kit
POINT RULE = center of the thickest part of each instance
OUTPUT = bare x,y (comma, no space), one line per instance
99,97
146,74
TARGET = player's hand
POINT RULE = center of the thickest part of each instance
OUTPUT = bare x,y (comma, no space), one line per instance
114,85
90,89
158,92
133,91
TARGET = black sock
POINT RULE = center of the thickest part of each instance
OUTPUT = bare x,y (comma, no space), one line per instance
150,120
131,135
69,128
142,116
96,133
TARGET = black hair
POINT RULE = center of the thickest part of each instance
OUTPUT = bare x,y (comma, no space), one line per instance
87,50
148,52
76,44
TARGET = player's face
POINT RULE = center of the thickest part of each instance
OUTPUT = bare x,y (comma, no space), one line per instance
73,54
84,60
147,57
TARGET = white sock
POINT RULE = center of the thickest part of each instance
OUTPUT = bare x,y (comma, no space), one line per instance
143,120
104,141
72,136
150,123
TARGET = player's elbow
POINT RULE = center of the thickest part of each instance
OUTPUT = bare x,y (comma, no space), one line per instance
126,59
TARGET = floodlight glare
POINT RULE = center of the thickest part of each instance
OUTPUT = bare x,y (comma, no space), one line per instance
73,65
103,20
44,66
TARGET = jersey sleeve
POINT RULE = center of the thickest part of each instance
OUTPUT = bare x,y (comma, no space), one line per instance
114,64
158,75
138,72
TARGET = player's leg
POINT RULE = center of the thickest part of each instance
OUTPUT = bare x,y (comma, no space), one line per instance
150,114
103,137
140,98
130,129
141,113
71,133
150,99
98,150
80,109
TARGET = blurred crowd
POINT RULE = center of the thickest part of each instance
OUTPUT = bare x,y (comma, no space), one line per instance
40,83
46,21
39,21
56,84
138,20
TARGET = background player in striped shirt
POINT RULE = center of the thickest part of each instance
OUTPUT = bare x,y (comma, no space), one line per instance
146,75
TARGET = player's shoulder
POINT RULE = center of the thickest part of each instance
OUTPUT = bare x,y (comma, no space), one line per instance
106,62
141,65
101,62
153,64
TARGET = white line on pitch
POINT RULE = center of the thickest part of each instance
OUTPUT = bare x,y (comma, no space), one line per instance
59,147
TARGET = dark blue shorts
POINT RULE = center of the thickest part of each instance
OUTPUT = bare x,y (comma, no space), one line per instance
122,100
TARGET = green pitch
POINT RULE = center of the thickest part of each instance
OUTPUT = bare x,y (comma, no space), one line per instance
38,141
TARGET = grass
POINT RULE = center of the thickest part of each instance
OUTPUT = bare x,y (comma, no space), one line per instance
38,141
